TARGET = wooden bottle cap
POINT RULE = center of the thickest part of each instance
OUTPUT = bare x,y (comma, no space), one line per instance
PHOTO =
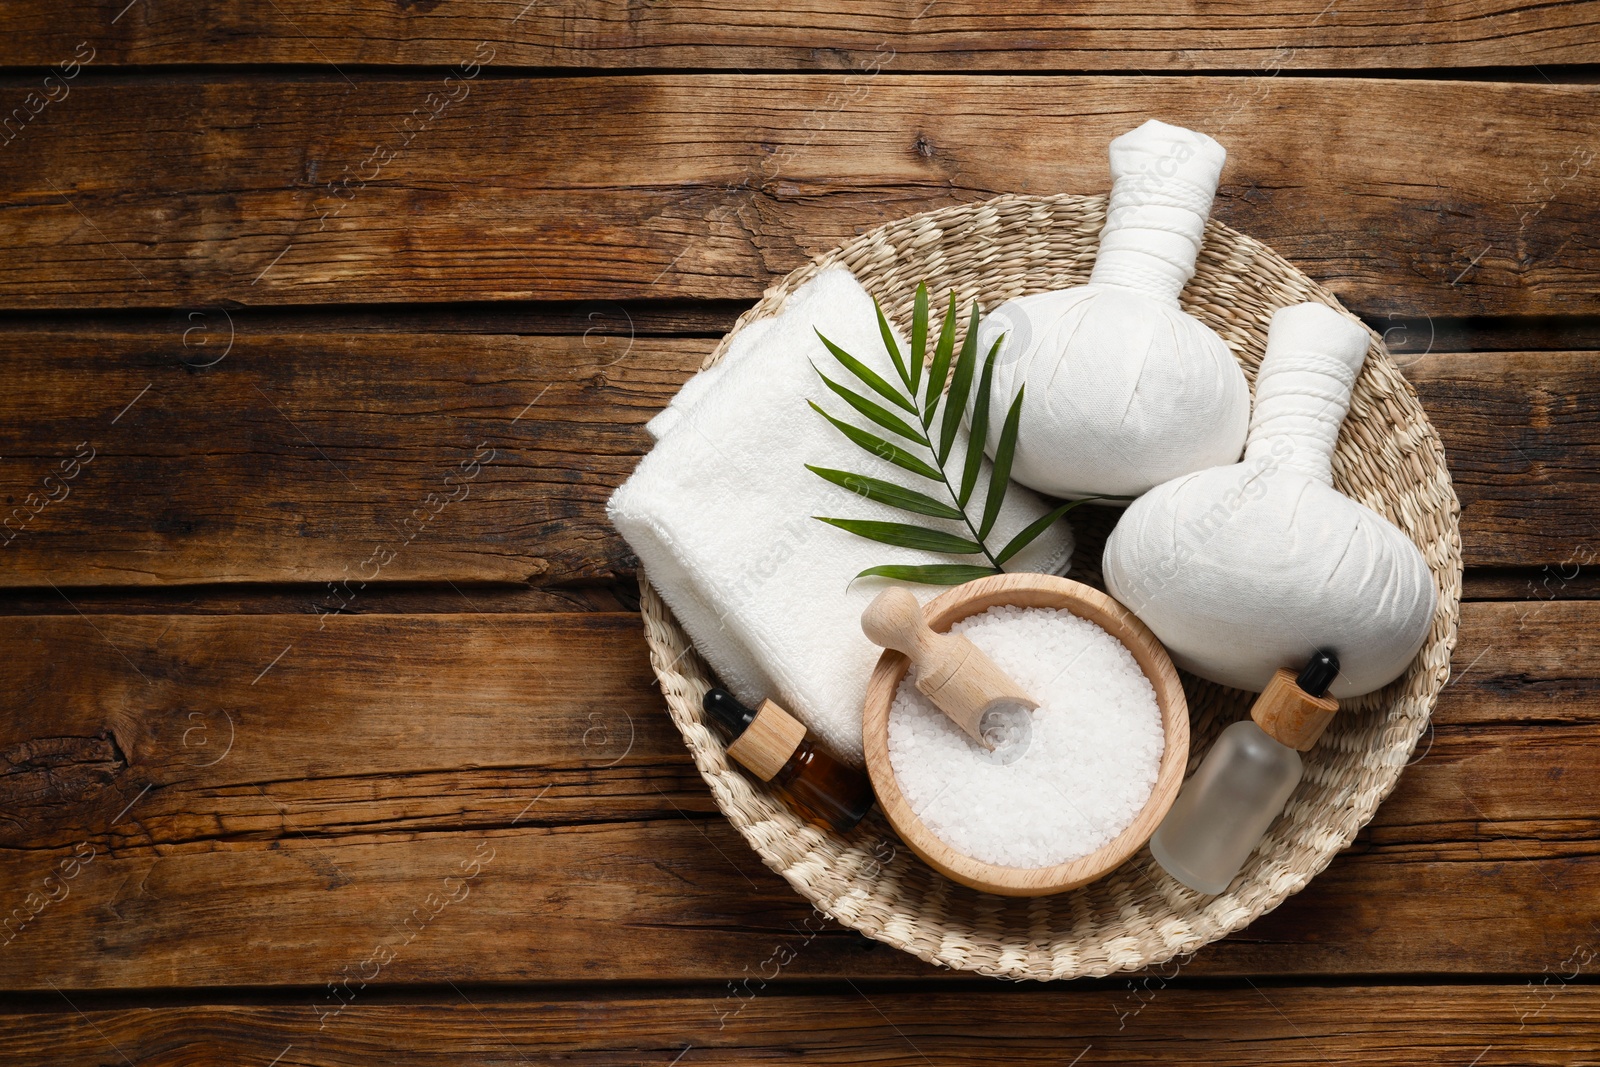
951,671
768,742
1290,715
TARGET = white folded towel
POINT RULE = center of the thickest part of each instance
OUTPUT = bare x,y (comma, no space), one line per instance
720,514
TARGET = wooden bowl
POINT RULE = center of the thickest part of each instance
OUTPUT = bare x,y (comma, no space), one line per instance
1031,591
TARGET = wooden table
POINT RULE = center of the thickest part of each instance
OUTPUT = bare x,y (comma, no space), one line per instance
330,735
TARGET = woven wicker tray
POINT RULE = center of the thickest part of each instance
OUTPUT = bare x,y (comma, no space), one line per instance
1388,457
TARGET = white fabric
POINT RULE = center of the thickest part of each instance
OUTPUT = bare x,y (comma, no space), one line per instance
750,338
1124,389
1243,569
720,514
1163,180
1304,393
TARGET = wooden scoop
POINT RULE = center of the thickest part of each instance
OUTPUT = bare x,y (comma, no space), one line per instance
960,680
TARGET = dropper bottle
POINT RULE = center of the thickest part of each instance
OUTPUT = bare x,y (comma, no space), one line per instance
772,744
1242,785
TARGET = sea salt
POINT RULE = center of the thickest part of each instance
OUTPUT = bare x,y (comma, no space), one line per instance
1074,775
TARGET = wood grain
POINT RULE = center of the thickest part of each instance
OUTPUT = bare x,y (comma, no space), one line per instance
967,35
1150,1021
380,753
1290,715
1516,446
332,458
340,459
331,737
322,189
254,728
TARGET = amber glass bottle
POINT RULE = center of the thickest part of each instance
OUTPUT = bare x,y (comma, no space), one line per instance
772,744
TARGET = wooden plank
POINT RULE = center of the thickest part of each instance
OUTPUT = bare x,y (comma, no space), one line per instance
681,900
1524,661
1522,438
345,459
912,36
1379,1026
202,188
445,722
370,759
318,457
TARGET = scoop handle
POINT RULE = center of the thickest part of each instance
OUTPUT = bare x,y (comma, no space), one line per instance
894,620
951,671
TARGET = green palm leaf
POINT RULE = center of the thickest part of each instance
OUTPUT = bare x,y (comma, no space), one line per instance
969,379
1000,478
1035,528
905,535
960,384
919,333
930,573
980,429
883,492
875,412
881,448
870,378
942,350
892,348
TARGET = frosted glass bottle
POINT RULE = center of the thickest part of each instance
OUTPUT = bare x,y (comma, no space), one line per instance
1225,809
